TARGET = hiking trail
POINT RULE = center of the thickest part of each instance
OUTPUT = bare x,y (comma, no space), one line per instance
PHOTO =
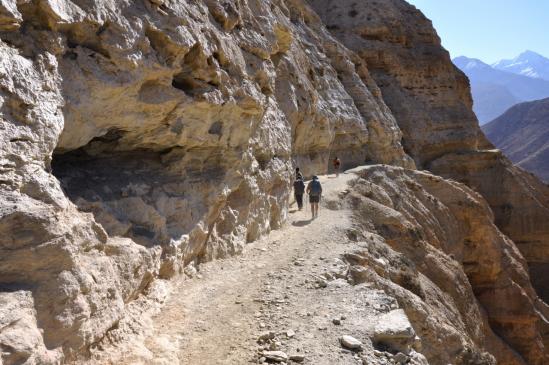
276,284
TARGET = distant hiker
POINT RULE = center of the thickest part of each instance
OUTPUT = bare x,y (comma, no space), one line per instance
298,174
314,189
299,190
337,164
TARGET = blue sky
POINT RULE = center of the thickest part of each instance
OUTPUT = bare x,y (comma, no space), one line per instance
489,29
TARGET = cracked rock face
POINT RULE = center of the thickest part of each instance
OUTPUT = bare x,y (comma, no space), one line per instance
431,101
138,137
455,273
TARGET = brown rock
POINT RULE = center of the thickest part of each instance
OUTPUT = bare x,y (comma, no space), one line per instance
432,104
446,230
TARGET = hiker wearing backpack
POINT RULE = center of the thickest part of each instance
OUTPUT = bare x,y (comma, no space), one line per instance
299,190
314,189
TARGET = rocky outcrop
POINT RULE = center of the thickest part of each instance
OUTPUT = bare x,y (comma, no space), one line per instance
429,98
431,101
140,137
461,281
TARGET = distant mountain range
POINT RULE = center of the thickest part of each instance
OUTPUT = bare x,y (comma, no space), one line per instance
496,88
522,133
528,63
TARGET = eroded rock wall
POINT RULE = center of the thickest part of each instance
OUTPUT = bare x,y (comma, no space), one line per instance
463,284
142,136
431,101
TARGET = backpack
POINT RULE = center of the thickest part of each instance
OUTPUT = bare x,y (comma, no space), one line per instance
299,186
316,189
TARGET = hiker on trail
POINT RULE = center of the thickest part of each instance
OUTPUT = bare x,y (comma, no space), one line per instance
299,190
298,174
337,164
314,189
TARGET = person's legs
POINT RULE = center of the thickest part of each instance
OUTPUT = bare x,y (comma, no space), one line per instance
312,210
299,200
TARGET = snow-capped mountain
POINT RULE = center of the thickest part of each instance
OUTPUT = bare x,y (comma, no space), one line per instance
494,91
528,63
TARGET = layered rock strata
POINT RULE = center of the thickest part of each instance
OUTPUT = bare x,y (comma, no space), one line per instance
451,269
142,136
431,101
139,137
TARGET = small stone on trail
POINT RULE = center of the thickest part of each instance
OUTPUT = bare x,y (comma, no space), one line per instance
297,358
266,336
350,342
290,333
379,353
276,356
336,321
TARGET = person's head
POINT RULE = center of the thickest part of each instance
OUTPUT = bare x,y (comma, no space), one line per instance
297,169
315,177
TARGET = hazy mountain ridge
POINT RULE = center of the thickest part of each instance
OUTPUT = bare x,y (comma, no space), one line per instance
494,91
523,134
528,63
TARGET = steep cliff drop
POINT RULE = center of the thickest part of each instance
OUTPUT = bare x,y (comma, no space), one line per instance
431,101
142,139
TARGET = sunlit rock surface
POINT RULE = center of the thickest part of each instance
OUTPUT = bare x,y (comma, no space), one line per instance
138,137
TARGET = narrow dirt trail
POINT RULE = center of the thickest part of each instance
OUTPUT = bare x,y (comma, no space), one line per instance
277,284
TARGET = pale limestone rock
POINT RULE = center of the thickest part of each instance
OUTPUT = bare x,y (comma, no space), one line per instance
138,138
174,128
20,338
394,330
349,342
275,356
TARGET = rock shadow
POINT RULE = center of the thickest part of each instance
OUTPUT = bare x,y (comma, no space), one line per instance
302,223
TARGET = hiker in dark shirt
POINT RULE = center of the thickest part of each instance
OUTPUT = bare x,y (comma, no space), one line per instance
314,189
337,165
299,190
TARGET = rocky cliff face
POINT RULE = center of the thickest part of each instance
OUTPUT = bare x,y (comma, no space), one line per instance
431,102
141,137
459,270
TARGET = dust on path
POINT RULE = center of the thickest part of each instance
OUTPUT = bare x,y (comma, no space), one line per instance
216,317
